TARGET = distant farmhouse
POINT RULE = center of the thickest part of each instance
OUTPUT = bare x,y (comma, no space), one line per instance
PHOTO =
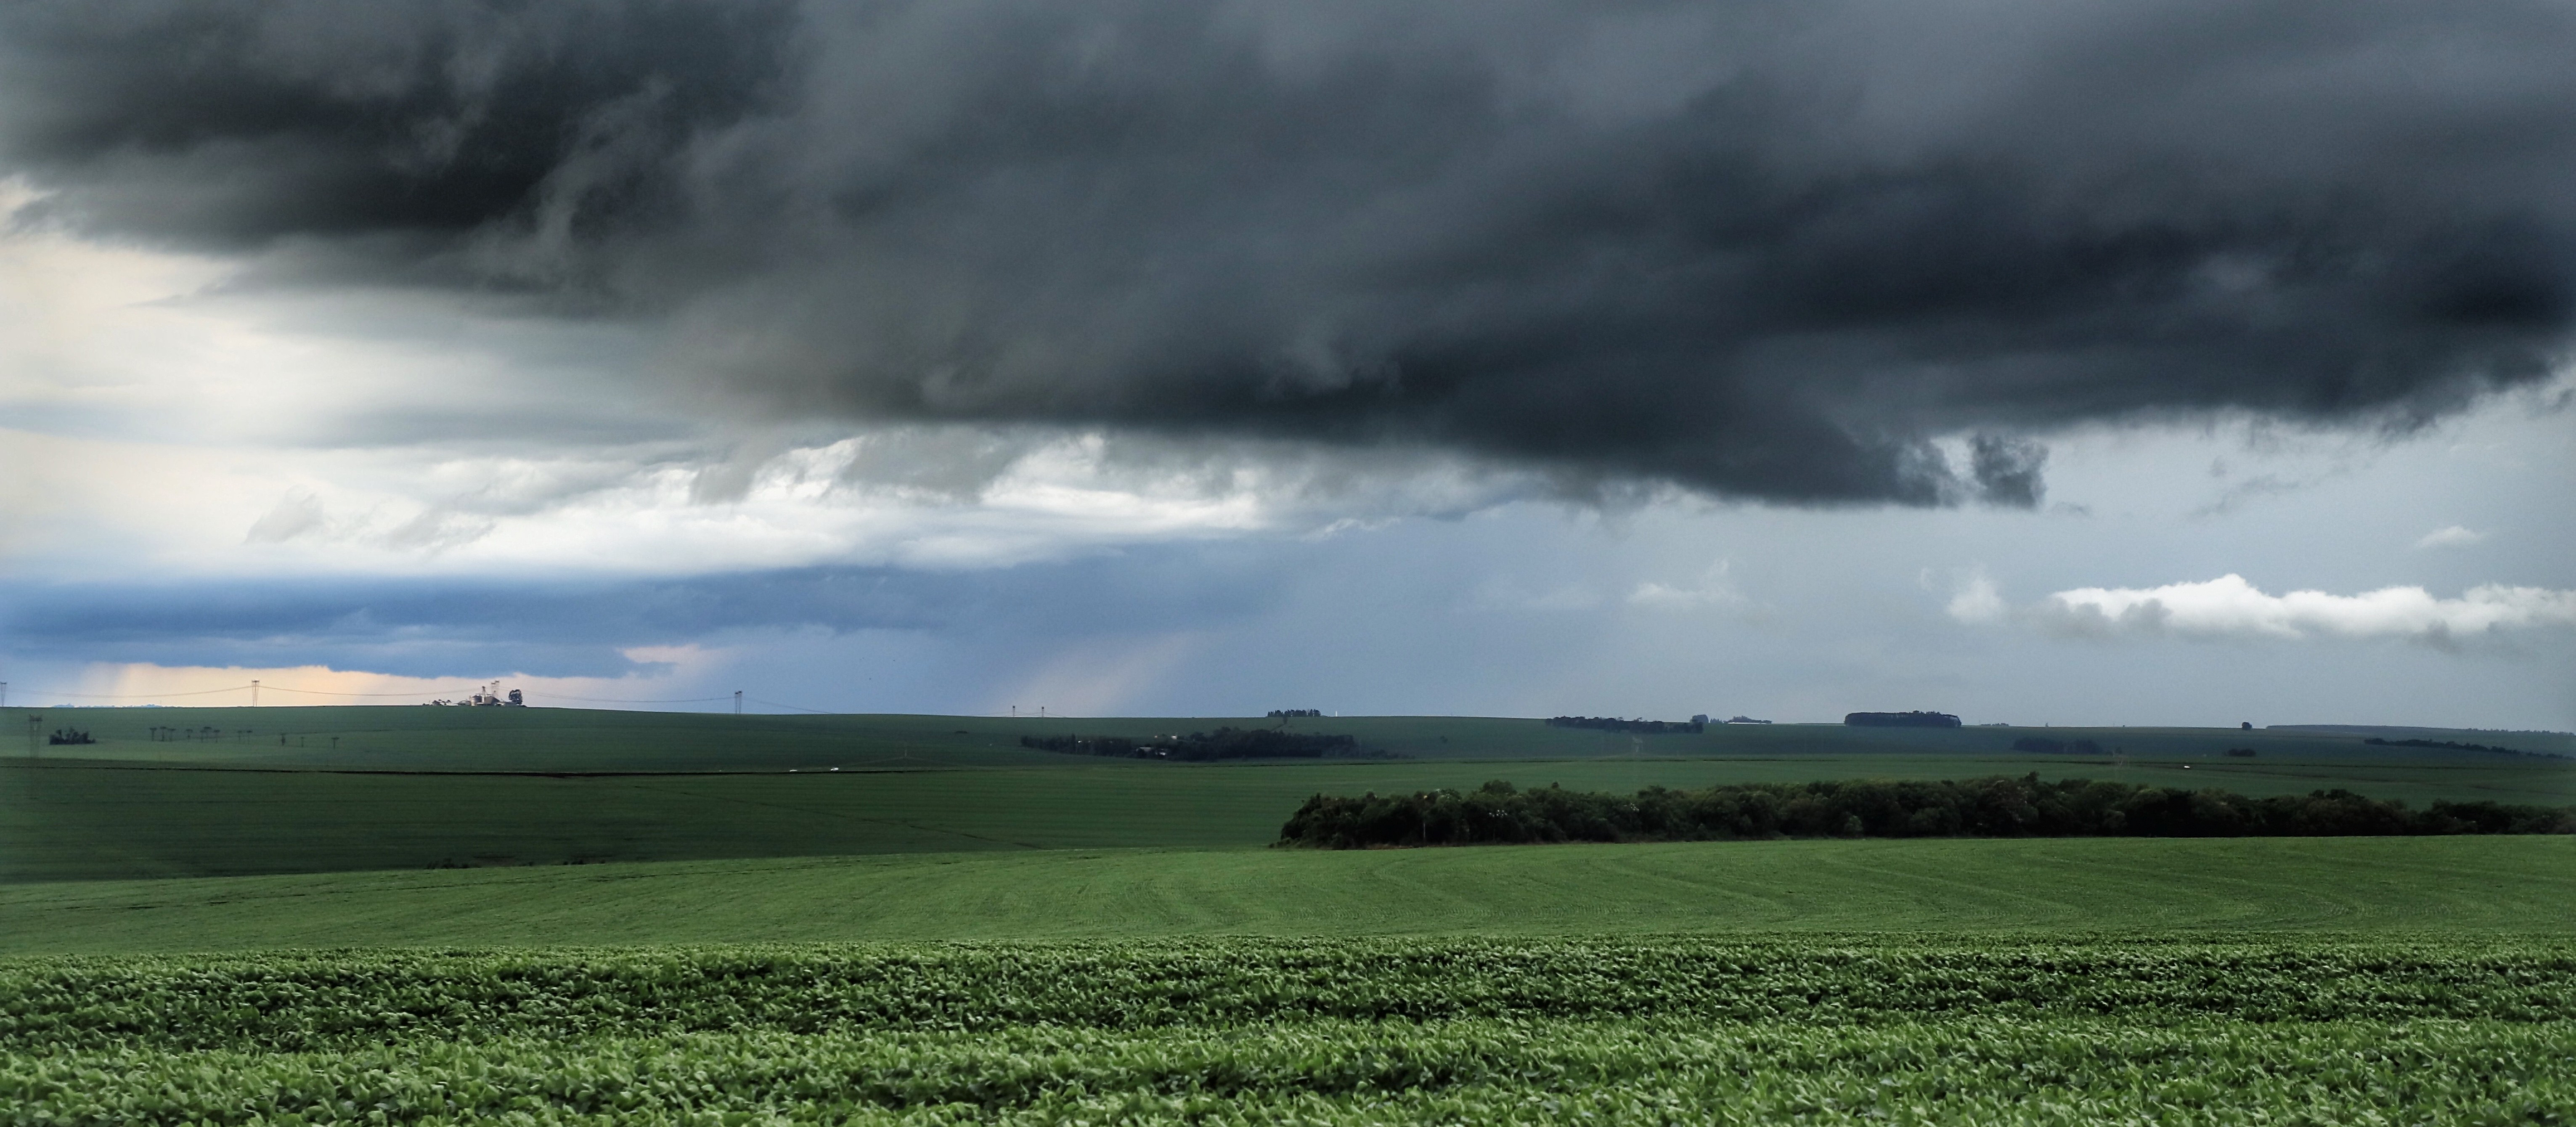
1901,720
489,696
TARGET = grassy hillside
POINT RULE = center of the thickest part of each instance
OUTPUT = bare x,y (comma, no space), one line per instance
325,789
2064,886
1129,956
75,820
549,739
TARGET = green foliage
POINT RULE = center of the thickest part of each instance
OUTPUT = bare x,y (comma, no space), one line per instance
2062,1071
337,1000
2387,885
2316,1030
1499,814
2455,745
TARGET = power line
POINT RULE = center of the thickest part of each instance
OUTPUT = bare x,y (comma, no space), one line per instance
330,693
790,707
627,700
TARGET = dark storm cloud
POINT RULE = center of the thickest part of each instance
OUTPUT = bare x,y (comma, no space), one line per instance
237,124
1764,250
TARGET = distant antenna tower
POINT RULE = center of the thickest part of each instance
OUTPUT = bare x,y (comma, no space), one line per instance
737,702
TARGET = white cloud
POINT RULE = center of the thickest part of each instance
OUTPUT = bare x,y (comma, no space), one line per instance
1977,601
2453,537
85,507
297,514
1715,588
2231,607
161,423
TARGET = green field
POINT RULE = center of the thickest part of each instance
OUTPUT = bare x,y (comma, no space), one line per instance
1824,1029
564,739
2081,885
415,788
550,916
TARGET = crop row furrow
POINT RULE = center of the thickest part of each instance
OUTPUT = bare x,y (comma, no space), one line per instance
2053,1070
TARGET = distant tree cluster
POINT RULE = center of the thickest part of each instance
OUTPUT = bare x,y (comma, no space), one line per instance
2042,745
2377,742
1499,814
69,736
1294,713
1615,724
1900,720
1200,747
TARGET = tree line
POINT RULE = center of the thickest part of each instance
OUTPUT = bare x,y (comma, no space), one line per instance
1900,720
1199,747
2454,746
2002,806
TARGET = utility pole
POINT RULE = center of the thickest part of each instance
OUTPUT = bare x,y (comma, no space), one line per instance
254,692
737,702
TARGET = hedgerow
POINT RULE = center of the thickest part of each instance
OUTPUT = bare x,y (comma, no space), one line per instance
1500,814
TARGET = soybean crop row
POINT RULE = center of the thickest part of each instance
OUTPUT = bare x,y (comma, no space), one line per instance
1690,1029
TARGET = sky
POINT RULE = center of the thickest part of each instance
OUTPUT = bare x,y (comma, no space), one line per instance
2077,363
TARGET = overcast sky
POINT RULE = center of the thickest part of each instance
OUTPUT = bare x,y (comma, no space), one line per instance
2124,363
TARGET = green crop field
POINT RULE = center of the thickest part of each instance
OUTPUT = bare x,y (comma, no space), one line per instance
393,788
1837,1030
2073,885
411,915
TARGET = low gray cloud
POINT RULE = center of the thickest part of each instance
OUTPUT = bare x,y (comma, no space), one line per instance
1758,251
452,628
